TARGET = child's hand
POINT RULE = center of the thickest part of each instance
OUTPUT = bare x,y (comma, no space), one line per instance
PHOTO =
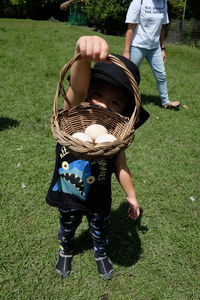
134,209
93,48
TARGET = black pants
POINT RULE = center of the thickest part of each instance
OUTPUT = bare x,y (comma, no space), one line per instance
70,219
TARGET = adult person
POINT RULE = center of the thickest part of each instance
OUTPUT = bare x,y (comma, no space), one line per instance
145,38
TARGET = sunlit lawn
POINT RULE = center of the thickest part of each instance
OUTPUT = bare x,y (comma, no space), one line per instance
156,258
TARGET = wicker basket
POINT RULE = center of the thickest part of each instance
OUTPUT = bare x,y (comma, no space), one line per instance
65,122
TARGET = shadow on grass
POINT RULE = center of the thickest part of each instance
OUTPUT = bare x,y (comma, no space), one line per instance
6,123
151,99
125,245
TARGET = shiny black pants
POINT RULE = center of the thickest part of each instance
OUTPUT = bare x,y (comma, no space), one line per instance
70,219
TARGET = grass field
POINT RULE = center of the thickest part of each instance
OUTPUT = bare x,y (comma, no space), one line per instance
155,258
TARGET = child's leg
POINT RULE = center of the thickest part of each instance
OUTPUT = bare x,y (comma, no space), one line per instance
99,232
70,219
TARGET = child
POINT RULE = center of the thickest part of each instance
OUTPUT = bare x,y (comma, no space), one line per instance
81,188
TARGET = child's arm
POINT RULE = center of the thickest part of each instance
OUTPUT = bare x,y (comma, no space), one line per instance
92,48
124,177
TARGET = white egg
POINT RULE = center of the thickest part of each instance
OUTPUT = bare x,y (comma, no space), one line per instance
95,130
82,136
105,138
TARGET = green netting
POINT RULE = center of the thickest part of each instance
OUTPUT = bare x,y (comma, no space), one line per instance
77,16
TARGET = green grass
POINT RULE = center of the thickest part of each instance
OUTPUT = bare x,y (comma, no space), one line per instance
156,258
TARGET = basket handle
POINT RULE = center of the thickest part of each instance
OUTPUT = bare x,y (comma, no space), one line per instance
135,115
61,90
60,87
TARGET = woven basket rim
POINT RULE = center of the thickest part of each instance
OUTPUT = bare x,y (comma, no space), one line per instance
86,149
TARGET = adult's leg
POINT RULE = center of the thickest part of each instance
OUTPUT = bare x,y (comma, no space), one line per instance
155,60
137,55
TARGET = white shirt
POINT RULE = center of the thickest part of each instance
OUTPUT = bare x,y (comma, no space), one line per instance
150,16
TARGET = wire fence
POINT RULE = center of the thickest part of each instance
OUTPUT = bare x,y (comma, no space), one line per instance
184,32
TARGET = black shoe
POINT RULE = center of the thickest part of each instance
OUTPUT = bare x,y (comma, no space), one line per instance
63,265
104,266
